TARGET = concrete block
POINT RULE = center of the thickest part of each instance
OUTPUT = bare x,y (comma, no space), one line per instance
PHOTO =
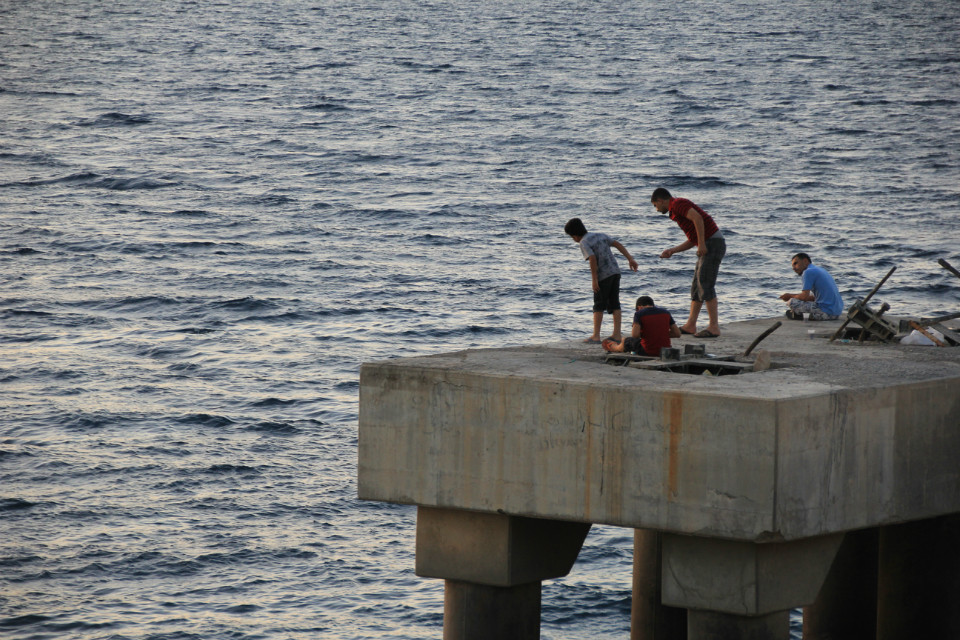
831,438
853,459
494,549
574,450
751,480
744,578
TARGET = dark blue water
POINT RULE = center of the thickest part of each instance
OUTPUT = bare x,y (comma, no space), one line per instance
212,213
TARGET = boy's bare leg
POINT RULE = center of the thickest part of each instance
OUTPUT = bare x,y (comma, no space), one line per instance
597,322
614,346
617,336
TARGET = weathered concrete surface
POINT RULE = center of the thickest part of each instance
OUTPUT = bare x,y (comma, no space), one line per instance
493,549
834,437
744,578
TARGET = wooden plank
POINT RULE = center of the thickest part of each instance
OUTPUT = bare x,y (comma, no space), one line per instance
949,334
949,267
863,304
931,321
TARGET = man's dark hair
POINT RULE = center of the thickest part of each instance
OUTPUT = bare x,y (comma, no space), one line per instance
802,256
644,301
660,194
574,227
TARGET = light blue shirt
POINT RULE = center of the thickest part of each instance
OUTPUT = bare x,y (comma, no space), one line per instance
598,244
825,291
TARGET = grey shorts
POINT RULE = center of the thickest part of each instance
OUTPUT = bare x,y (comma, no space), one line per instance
810,308
704,284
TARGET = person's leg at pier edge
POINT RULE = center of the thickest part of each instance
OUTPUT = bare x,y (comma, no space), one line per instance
712,314
690,326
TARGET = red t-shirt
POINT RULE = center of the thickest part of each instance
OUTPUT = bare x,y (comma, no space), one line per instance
654,328
678,210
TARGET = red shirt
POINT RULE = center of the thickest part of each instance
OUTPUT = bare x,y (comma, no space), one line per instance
678,210
655,326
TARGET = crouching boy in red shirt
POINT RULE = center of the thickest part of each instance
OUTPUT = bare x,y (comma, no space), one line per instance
652,329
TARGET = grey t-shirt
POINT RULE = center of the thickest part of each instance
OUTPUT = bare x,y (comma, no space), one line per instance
598,244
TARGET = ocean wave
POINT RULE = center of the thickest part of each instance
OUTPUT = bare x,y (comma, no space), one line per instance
232,468
131,303
40,159
408,194
96,181
23,621
190,213
326,105
273,402
197,330
26,313
204,420
273,427
455,332
13,338
679,182
93,421
130,184
438,240
114,119
163,353
933,102
271,199
248,303
19,561
15,504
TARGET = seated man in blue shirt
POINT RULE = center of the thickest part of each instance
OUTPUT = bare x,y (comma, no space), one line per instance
820,298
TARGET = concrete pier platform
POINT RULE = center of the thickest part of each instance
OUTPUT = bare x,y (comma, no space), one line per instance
744,490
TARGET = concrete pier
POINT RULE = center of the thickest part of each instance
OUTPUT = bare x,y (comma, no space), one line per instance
827,481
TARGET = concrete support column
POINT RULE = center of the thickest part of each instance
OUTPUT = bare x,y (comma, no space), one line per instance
649,618
493,564
847,604
480,612
710,625
919,580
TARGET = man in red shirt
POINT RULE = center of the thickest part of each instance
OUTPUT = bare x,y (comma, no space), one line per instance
652,329
704,234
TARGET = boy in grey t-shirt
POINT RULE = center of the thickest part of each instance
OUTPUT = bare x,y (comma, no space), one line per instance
605,273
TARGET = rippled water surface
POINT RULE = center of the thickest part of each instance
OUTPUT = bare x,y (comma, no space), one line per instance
212,213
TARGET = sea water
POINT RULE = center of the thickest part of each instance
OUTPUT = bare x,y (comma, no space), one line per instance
212,212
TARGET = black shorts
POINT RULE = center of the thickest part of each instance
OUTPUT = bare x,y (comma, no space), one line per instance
634,345
608,297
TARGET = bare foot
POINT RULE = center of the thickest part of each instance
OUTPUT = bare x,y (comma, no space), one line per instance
611,346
